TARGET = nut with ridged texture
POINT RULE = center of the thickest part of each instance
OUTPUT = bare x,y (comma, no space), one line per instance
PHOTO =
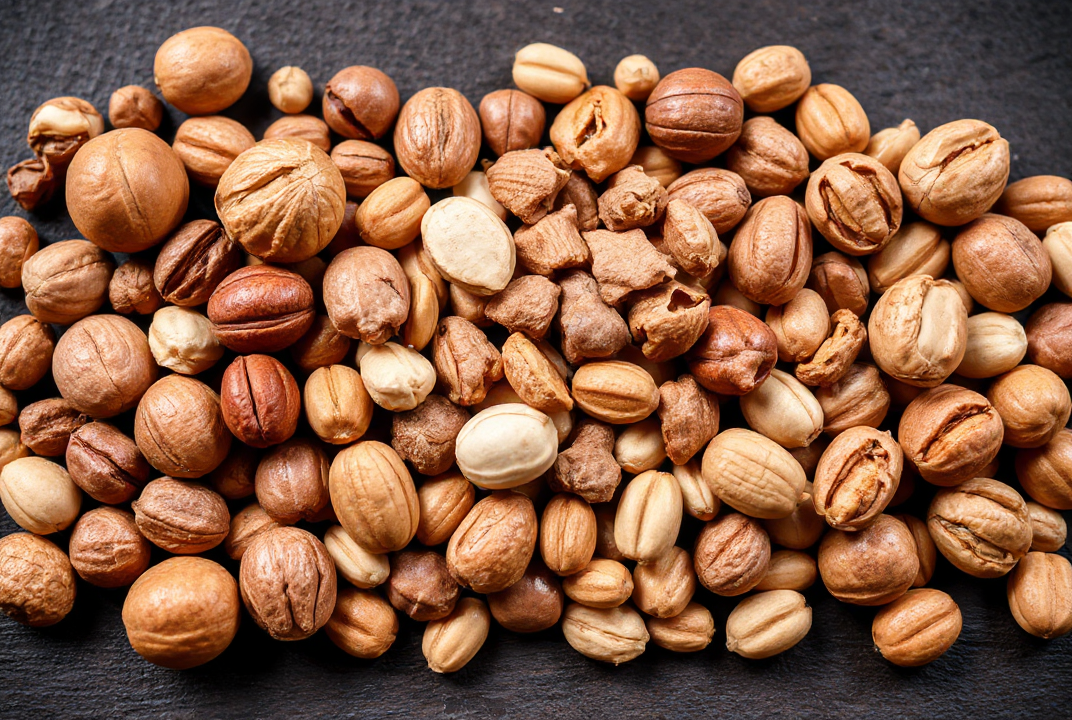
784,410
354,563
261,309
208,145
131,289
260,400
855,202
37,584
731,554
360,102
511,120
26,348
374,497
363,624
753,474
857,477
981,526
612,635
180,517
46,425
437,137
830,121
694,114
890,146
494,544
772,77
648,517
767,623
106,463
549,73
66,280
615,391
451,642
193,261
182,340
106,548
1040,595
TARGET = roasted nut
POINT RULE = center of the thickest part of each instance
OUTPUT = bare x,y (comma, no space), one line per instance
597,132
1045,472
292,482
1049,338
511,120
106,463
1048,528
602,583
841,281
890,146
528,304
1039,595
916,249
731,554
421,586
830,121
694,114
390,216
360,102
1033,403
526,182
260,401
770,159
789,570
305,127
613,635
39,495
735,354
26,349
246,525
668,319
208,145
193,261
494,543
533,376
373,495
202,70
858,398
322,346
475,186
364,166
665,587
395,377
134,106
366,294
182,518
37,584
767,624
690,631
589,327
956,172
691,239
234,478
1001,263
11,447
444,501
469,245
437,137
131,289
588,467
490,452
465,361
800,326
18,241
753,474
362,624
917,628
925,548
567,534
770,256
689,418
1058,245
46,425
9,407
450,643
179,427
32,183
700,502
532,604
981,526
772,77
870,566
632,199
721,195
66,281
581,194
615,392
857,478
649,516
625,262
354,563
996,344
261,308
855,203
800,529
549,73
784,410
106,548
1039,202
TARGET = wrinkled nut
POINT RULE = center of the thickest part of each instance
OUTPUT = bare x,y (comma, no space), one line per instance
261,309
615,392
290,90
364,166
767,623
305,127
996,344
26,348
694,114
32,183
789,570
37,584
772,77
18,241
131,289
1048,528
770,256
950,434
39,495
9,408
61,126
753,474
260,401
292,482
465,361
66,281
784,410
668,319
632,199
469,245
665,587
1040,595
532,604
918,331
841,281
533,375
511,120
105,463
649,516
857,478
391,215
373,495
567,534
770,159
437,137
1001,263
337,405
506,446
451,642
956,172
46,425
193,261
625,262
800,326
360,102
246,525
1045,472
526,182
180,517
549,73
640,447
106,548
362,624
1039,202
444,501
859,398
355,564
179,427
700,502
426,435
589,327
11,447
602,583
420,585
208,145
731,554
855,202
689,418
528,304
917,249
871,566
1049,338
721,195
689,631
597,132
494,543
917,628
202,70
367,294
834,358
1058,245
735,353
830,121
1033,403
981,526
395,377
802,528
691,239
613,635
588,467
134,106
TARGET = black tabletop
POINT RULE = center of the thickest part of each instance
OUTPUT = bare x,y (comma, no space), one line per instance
1007,63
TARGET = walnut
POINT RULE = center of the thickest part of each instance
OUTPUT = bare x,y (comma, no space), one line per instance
624,262
835,356
528,305
668,319
526,182
588,467
466,363
589,327
426,435
689,416
551,244
632,200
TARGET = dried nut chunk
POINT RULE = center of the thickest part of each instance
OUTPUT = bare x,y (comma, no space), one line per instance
649,516
589,327
39,495
553,243
391,215
834,358
179,427
1033,403
857,477
890,146
691,238
567,534
601,584
362,624
668,319
549,73
437,137
588,467
337,405
783,410
105,463
665,587
581,194
772,77
421,586
731,554
469,245
771,159
918,331
1039,202
690,631
770,256
512,120
1040,595
1001,263
855,202
735,354
532,375
444,500
526,182
373,495
982,526
26,348
859,398
37,584
694,114
721,195
1048,528
870,566
597,132
180,517
354,563
465,361
261,308
689,418
830,121
615,391
426,435
801,325
753,474
631,200
841,281
767,623
367,294
60,126
528,304
492,547
624,262
612,635
208,145
66,280
506,446
32,183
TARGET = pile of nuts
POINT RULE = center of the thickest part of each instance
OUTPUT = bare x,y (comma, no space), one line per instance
505,400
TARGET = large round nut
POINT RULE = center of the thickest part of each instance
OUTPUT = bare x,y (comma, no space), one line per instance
731,554
363,624
506,446
337,405
597,132
469,245
37,584
767,623
39,495
437,137
855,203
981,526
512,120
421,586
996,344
1001,263
648,518
615,391
494,544
694,114
772,77
373,495
66,281
612,635
107,549
1034,405
1040,595
179,427
451,642
180,517
753,474
366,293
105,463
261,309
857,477
917,628
830,121
259,400
870,566
770,256
1045,472
360,102
26,348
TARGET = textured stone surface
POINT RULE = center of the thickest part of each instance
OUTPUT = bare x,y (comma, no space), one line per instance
1006,63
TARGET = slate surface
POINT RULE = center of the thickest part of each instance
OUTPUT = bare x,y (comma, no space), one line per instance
1007,63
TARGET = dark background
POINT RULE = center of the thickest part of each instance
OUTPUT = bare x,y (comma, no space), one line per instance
1007,63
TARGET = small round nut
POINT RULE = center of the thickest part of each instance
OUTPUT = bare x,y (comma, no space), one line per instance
397,378
182,340
1034,405
107,550
597,132
512,120
841,281
202,70
131,289
917,628
665,587
1045,472
37,584
871,566
290,89
39,495
1039,202
996,344
771,159
363,624
134,106
365,166
771,78
636,76
689,631
246,525
305,127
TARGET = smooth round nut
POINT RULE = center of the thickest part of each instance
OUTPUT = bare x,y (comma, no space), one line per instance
753,474
615,391
917,628
134,106
202,70
857,477
1001,263
66,281
26,348
511,120
107,550
1034,405
1040,595
771,78
364,166
613,635
373,495
871,566
830,121
494,544
179,427
39,495
437,137
694,114
549,73
18,241
767,623
532,604
208,145
451,642
855,202
363,624
105,463
1039,202
360,102
290,89
603,583
982,526
261,309
37,584
292,482
421,586
337,405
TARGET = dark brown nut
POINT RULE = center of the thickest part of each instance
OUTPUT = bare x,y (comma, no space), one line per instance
1039,202
260,401
567,534
731,554
246,525
46,426
871,566
426,435
1039,595
624,262
32,183
37,584
770,159
373,495
1045,472
581,194
180,517
134,106
859,398
261,308
668,319
950,434
362,624
208,145
657,164
532,604
526,182
857,478
588,467
1033,403
801,325
421,586
956,172
834,358
981,526
925,548
194,261
60,126
916,249
103,365
437,138
26,349
770,256
202,70
772,77
321,346
367,294
106,463
1001,263
131,289
719,194
691,239
288,583
789,570
551,244
179,427
664,588
890,146
306,127
466,363
512,120
528,304
918,331
1048,528
830,121
735,354
597,132
800,529
631,200
917,628
533,376
18,241
360,102
492,547
1049,338
364,166
66,281
106,548
126,190
292,482
855,202
694,114
841,281
236,475
589,327
689,418
445,500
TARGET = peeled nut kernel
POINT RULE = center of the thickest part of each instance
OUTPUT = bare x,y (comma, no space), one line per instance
373,495
290,89
636,76
855,202
363,624
753,474
689,631
356,565
613,635
772,77
649,516
857,477
890,146
469,245
1001,263
597,132
32,183
784,410
1040,595
61,126
614,391
830,121
767,624
731,554
1048,528
39,495
549,73
506,446
1033,403
437,137
567,534
996,344
982,526
37,584
395,377
665,587
871,566
917,628
450,643
640,447
494,544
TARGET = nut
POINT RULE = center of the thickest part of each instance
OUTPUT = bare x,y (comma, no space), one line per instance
589,327
208,145
1039,595
834,358
665,587
925,548
179,427
494,543
533,376
601,584
526,182
632,199
1048,528
753,474
624,262
134,106
194,261
360,102
857,477
18,241
465,361
356,565
690,631
841,281
996,344
373,495
450,643
649,516
512,120
694,114
66,281
1049,338
689,418
772,77
292,482
390,216
260,400
1044,472
917,628
770,256
597,132
1058,245
182,340
615,392
636,76
395,377
581,194
321,346
421,586
767,624
469,245
235,477
855,203
106,548
131,289
59,127
567,534
305,127
364,166
532,604
721,195
731,554
699,501
830,121
613,635
26,348
261,308
789,570
528,304
800,529
770,159
105,463
1033,403
890,146
444,500
362,624
506,446
549,73
426,435
37,585
246,525
290,89
859,398
871,566
46,425
182,518
916,249
800,326
32,183
1001,263
588,467
1039,202
39,495
784,410
437,137
202,70
981,526
735,354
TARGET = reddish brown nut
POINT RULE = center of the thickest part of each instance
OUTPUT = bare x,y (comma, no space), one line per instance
180,517
292,482
689,418
32,183
735,354
857,477
841,281
719,194
872,566
512,120
323,345
1001,263
261,308
421,586
694,114
260,400
770,256
360,102
18,241
859,398
1049,338
366,294
106,463
426,435
590,328
107,550
131,289
731,554
193,261
532,604
917,628
26,348
46,426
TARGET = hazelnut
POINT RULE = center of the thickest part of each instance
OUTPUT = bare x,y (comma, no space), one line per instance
916,249
364,166
830,121
532,604
106,548
917,628
261,309
292,482
26,349
66,281
202,70
260,401
981,526
437,138
694,114
512,120
597,132
362,624
182,340
18,241
636,76
39,495
492,547
134,106
731,554
1049,338
290,90
735,354
105,463
179,427
37,585
1001,263
373,495
180,517
395,377
1033,403
46,425
870,566
360,102
421,586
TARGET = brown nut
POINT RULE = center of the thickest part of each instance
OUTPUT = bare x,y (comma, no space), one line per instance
996,344
800,326
770,256
528,304
834,358
588,467
444,500
32,183
841,281
234,478
260,401
688,417
1001,263
179,427
981,526
615,392
107,550
131,289
355,564
246,525
1048,528
917,628
597,132
134,106
735,354
1049,338
1045,472
465,361
437,138
362,624
60,126
106,463
512,120
770,159
857,478
364,166
589,327
648,518
613,635
1040,595
581,194
526,182
194,261
689,631
925,548
322,346
292,482
721,195
337,405
802,528
208,145
916,249
731,554
66,281
18,241
390,216
694,114
46,425
772,77
532,604
789,570
700,502
767,624
691,239
859,398
202,70
26,349
1039,202
601,584
890,146
305,127
1033,403
37,584
532,375
360,102
39,495
261,308
625,262
426,435
182,518
871,566
632,199
421,586
373,495
567,534
664,588
656,164
366,294
855,203
492,547
830,121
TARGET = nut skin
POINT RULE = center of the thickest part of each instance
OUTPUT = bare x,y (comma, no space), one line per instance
208,145
1039,202
46,425
841,281
26,349
588,468
421,586
182,518
731,554
202,70
1045,471
1049,338
625,262
855,202
688,416
612,635
1040,595
451,642
917,628
1001,263
437,138
981,526
360,102
426,435
615,391
367,294
260,400
363,624
632,199
609,148
321,346
950,434
126,190
288,583
305,127
532,604
292,482
857,478
193,261
106,548
337,405
694,114
770,159
493,545
526,182
66,281
890,146
859,398
18,241
871,566
261,309
735,353
567,534
134,106
131,289
105,463
528,304
830,121
37,584
772,77
246,525
179,427
1033,403
767,623
364,166
1048,528
511,120
689,631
